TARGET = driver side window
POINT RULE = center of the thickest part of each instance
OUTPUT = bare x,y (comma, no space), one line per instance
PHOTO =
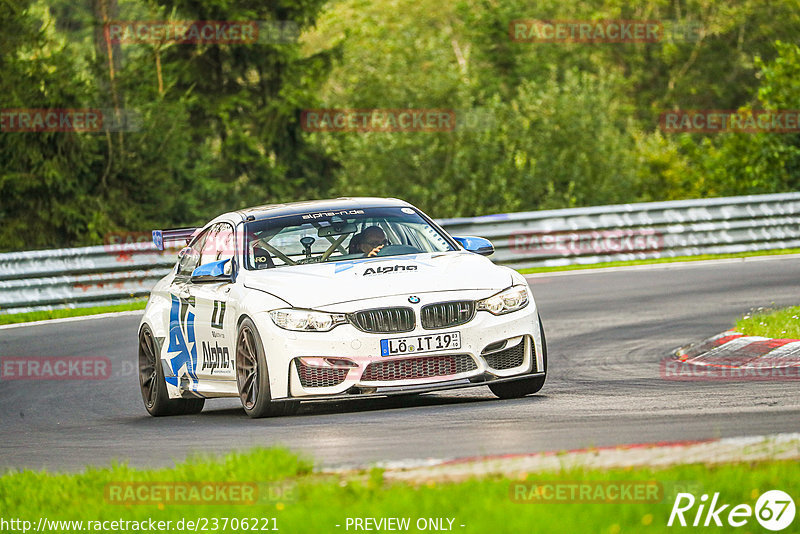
219,244
190,258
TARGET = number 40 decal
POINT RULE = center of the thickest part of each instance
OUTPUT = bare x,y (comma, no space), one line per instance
218,314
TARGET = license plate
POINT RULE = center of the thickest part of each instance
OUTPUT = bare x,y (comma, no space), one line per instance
420,344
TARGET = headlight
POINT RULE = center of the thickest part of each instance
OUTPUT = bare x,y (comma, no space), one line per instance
509,300
306,320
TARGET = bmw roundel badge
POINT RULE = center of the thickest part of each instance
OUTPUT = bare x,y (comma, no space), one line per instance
413,299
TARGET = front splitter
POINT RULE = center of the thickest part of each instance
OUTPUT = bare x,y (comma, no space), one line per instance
357,392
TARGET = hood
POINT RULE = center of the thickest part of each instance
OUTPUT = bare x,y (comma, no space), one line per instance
318,285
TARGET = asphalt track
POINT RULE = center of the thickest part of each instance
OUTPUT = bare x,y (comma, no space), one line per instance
607,333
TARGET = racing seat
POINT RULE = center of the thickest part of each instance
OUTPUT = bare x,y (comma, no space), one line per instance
262,258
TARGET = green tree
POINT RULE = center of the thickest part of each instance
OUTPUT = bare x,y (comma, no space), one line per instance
218,123
45,178
246,103
753,163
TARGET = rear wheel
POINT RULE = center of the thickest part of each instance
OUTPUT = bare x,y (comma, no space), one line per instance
152,383
252,377
523,386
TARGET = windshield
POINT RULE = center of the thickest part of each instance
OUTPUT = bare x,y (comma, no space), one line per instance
317,237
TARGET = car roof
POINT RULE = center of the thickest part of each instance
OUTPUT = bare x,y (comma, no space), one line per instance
269,211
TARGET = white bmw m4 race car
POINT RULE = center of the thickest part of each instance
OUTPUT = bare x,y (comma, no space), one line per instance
333,299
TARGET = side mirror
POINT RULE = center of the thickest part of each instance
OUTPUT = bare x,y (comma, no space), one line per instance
187,258
478,245
212,272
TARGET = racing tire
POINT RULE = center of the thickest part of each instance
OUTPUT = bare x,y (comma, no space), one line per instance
524,386
252,376
153,385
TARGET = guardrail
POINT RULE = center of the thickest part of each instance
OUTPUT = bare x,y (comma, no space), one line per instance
638,231
76,277
92,276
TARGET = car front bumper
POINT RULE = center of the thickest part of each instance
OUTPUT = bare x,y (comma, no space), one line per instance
298,369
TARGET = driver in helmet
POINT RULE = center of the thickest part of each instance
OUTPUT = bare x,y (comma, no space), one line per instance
371,241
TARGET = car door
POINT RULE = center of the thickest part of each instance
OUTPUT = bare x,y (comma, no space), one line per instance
180,350
214,319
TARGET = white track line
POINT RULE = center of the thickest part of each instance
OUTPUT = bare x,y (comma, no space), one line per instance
669,265
73,319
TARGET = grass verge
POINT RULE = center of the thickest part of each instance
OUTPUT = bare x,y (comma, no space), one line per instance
678,259
300,500
13,318
783,323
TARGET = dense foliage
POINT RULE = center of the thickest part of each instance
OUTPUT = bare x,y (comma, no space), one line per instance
547,124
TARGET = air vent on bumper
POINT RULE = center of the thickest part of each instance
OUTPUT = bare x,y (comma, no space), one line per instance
420,367
507,358
320,377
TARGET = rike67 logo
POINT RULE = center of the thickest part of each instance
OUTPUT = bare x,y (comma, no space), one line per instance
774,510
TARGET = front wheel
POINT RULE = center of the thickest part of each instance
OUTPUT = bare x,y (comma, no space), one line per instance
252,377
523,386
154,387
